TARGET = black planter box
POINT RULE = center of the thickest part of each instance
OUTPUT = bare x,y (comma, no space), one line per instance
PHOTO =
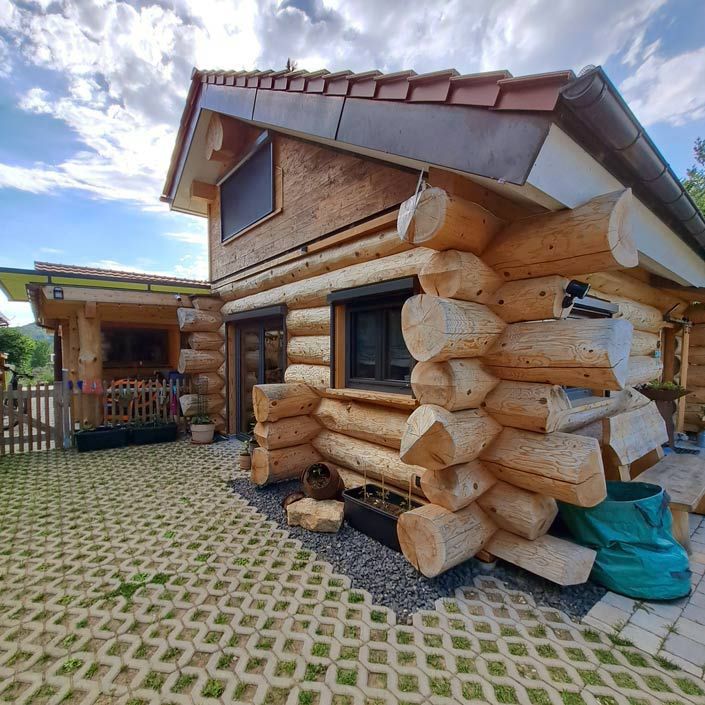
101,437
153,433
376,523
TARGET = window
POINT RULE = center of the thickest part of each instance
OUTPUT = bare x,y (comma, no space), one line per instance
247,193
133,347
369,348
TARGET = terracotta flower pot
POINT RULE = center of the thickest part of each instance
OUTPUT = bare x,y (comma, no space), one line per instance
321,481
202,433
245,461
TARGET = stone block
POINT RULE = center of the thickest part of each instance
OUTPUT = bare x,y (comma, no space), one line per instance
316,515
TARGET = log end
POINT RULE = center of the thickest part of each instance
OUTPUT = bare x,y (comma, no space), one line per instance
619,233
420,541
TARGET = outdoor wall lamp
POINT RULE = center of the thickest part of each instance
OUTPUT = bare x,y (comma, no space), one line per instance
574,290
58,293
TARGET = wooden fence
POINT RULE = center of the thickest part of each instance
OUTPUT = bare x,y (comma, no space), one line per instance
46,416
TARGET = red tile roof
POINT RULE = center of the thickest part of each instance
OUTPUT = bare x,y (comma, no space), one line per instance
75,270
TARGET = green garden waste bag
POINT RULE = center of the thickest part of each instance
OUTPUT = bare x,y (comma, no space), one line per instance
637,555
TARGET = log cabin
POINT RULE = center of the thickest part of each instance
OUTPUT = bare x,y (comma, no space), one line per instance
443,282
107,325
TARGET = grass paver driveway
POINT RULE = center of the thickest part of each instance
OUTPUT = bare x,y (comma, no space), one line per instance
136,576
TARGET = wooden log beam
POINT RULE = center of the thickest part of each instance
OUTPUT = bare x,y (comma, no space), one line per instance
364,421
557,560
561,465
205,341
208,382
531,299
193,404
271,402
202,191
438,329
193,320
591,237
644,343
436,438
685,357
309,349
571,352
316,376
642,369
696,356
457,384
191,361
641,316
90,364
225,138
697,337
524,513
434,539
308,321
269,466
632,434
312,292
443,221
546,408
458,486
370,459
207,303
287,432
453,274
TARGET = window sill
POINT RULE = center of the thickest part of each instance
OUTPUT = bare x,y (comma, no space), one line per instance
400,401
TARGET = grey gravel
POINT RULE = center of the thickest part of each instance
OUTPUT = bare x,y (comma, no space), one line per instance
390,578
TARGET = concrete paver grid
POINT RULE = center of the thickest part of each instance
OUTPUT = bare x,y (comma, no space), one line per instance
136,576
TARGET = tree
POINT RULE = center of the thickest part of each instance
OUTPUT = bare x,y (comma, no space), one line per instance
291,65
41,355
694,182
18,347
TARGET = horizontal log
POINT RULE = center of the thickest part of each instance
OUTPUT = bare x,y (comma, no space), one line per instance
644,343
312,292
697,336
393,400
309,350
458,275
207,382
457,384
374,461
438,329
195,404
269,466
514,509
316,376
458,486
287,432
207,303
571,352
531,299
443,221
562,456
434,539
272,402
205,341
642,317
632,434
308,321
546,408
643,369
193,320
191,361
697,394
557,560
364,421
696,376
696,355
593,237
436,438
364,249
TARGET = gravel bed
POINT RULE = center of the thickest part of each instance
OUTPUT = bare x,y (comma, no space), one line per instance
390,578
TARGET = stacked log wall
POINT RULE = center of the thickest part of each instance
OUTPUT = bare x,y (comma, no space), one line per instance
204,359
695,401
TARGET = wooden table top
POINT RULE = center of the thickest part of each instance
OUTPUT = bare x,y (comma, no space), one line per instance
682,476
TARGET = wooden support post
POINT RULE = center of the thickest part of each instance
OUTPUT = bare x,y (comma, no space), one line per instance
90,364
685,351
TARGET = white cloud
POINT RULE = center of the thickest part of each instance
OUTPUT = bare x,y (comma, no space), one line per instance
18,312
189,237
51,251
668,89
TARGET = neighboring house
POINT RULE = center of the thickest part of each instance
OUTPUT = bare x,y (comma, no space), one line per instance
4,321
410,254
107,324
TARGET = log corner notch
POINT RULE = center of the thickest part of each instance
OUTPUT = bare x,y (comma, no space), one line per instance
594,237
438,220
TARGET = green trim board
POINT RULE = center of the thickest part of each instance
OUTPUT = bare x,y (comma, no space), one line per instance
14,283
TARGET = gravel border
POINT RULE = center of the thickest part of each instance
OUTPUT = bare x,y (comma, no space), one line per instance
390,578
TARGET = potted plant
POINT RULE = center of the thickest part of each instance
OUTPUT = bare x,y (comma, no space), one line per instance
662,391
202,429
321,482
375,511
153,432
245,455
100,437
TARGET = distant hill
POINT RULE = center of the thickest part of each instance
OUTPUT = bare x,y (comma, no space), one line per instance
32,330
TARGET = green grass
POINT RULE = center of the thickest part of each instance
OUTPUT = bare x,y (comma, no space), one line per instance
689,687
182,682
154,681
320,649
505,694
346,676
213,688
408,684
473,691
71,666
440,686
306,697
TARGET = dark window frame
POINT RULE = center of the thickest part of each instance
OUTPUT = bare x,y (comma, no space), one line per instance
133,332
380,298
263,142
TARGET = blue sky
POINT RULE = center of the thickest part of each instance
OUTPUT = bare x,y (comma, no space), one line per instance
91,93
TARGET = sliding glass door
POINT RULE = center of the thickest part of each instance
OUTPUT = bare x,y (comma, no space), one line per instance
260,358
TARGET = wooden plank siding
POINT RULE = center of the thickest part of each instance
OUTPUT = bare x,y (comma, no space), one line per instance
322,191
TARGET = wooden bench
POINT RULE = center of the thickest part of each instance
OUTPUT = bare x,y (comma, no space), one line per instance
631,449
